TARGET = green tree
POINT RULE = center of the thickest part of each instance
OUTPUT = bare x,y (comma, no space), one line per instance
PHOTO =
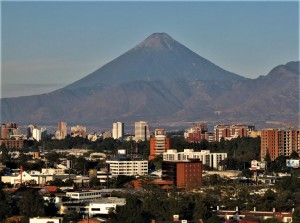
230,163
52,158
31,204
121,180
156,163
214,219
278,165
5,157
71,217
247,173
129,213
94,181
57,182
81,165
3,204
204,144
296,216
50,208
201,210
294,155
221,145
69,182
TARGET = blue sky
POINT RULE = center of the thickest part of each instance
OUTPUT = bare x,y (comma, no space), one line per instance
47,45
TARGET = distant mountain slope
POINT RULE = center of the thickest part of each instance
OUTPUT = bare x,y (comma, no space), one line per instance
158,57
162,81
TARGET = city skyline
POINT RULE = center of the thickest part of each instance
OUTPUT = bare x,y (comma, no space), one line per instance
54,44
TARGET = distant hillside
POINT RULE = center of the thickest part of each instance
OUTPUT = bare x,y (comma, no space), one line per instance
161,80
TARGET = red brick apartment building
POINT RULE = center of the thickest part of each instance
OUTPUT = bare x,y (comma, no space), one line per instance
232,131
279,142
8,129
184,175
12,143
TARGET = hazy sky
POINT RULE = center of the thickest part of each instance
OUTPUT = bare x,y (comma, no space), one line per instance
47,45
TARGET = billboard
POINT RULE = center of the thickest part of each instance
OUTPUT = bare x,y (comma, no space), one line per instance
254,164
292,163
257,165
122,151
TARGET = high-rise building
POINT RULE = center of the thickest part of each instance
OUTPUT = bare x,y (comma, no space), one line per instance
78,131
142,132
232,131
159,144
279,142
37,134
61,131
29,130
44,132
118,130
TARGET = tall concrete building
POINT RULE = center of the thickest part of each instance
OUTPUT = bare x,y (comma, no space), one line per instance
61,131
279,143
142,132
37,134
159,144
29,130
44,132
118,130
232,131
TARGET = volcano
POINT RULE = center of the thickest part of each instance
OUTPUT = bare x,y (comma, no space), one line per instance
161,80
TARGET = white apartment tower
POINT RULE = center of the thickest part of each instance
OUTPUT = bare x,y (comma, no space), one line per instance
118,130
142,132
37,134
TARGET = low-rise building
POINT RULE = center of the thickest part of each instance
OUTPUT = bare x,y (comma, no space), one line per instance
34,177
127,167
256,216
12,143
84,195
97,206
46,220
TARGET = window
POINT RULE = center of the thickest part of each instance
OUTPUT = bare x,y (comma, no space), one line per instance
95,209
